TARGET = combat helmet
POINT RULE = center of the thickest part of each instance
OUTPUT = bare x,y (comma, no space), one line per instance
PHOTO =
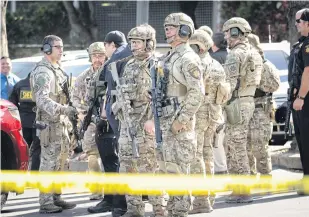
146,33
237,22
180,19
207,29
96,47
202,39
254,40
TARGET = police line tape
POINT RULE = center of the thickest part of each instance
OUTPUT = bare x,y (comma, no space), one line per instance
146,184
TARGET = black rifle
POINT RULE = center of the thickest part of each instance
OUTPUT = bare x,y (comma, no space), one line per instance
289,111
131,129
156,97
97,92
294,85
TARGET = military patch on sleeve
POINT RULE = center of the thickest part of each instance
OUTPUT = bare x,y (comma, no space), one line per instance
194,71
232,68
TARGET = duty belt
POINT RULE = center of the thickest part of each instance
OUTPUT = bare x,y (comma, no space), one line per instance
169,106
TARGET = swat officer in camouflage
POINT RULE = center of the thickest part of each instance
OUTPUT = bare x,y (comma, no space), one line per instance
182,95
134,88
84,90
260,127
47,83
209,114
243,69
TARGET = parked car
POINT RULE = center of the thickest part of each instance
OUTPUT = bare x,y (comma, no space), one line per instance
14,149
278,54
73,62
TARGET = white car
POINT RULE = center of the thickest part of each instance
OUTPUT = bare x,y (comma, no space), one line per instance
73,62
278,54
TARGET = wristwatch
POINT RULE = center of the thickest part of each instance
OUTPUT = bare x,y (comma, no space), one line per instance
300,97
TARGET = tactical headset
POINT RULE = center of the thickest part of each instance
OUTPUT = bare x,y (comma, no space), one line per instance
47,48
195,48
149,45
184,31
235,32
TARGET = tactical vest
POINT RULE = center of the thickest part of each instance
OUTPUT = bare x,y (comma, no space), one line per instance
270,79
177,82
250,72
216,88
296,69
138,82
56,91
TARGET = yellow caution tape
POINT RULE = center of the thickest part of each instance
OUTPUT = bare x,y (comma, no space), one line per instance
147,184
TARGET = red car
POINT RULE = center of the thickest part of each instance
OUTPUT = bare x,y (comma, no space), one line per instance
14,149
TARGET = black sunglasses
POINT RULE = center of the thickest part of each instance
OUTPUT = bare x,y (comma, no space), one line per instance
297,21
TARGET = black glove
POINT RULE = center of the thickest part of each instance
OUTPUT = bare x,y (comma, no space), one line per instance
102,126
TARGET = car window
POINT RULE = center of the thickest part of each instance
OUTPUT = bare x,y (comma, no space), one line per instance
278,58
284,78
22,69
76,70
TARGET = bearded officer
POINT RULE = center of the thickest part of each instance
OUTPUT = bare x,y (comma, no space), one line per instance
83,94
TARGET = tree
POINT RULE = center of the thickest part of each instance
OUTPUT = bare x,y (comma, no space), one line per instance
4,41
261,15
189,9
83,26
32,22
293,7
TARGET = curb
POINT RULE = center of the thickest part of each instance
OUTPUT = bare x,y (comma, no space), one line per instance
288,160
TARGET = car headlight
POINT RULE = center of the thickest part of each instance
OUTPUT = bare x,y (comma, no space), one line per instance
14,111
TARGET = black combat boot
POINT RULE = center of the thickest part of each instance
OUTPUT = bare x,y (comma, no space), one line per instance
64,205
103,206
50,208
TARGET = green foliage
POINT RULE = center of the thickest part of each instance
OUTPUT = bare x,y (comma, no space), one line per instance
34,20
260,14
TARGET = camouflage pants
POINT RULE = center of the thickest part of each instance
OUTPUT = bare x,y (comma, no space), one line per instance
146,163
91,149
178,152
53,151
204,161
260,130
236,140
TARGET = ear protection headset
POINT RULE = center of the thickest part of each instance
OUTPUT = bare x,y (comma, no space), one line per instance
47,48
235,32
184,31
149,45
195,48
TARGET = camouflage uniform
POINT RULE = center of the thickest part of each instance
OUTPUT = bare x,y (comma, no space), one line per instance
183,94
209,114
260,127
50,101
243,69
136,84
81,98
